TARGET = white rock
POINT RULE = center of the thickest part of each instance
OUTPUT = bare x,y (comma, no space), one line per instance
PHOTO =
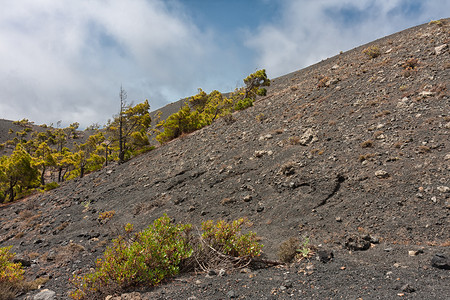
443,189
439,49
425,94
45,294
381,174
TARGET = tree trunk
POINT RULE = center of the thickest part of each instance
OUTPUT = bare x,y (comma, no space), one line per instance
42,176
11,191
59,174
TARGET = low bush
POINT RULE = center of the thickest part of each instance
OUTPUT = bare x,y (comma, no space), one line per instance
372,51
11,275
228,239
148,257
145,258
51,186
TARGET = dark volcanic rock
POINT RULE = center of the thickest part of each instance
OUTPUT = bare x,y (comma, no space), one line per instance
302,162
441,261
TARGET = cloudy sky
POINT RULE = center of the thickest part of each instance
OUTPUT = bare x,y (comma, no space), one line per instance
66,60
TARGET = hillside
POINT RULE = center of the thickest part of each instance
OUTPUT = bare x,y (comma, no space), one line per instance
352,152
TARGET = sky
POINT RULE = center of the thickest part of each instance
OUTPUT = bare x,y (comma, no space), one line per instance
63,60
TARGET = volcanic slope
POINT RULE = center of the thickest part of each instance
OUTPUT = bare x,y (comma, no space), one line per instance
351,150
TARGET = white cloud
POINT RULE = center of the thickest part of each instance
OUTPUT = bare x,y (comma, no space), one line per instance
313,30
67,59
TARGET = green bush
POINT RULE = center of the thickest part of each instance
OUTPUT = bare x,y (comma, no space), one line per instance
228,239
243,104
147,258
158,252
11,274
51,186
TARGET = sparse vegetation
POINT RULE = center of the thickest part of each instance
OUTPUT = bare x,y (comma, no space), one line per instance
292,249
11,275
202,109
372,52
148,257
105,216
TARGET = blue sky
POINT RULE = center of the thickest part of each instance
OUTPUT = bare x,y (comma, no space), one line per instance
65,60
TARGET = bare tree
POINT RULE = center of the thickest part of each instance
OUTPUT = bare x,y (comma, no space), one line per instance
123,98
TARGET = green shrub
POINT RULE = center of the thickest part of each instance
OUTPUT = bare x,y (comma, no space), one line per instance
228,239
145,259
158,252
51,186
243,104
11,274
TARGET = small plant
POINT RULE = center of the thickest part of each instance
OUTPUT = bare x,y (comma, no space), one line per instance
105,216
294,249
11,274
436,22
260,117
294,140
86,204
305,249
228,239
372,52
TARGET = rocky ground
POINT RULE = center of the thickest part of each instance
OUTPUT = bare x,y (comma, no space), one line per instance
352,152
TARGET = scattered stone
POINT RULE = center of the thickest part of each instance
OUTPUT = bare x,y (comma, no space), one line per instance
335,67
283,288
407,288
425,94
261,153
45,294
212,273
325,255
338,219
24,262
388,249
415,252
381,174
440,49
247,198
260,208
265,137
308,137
356,243
332,81
374,239
231,294
222,273
443,189
440,261
288,283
